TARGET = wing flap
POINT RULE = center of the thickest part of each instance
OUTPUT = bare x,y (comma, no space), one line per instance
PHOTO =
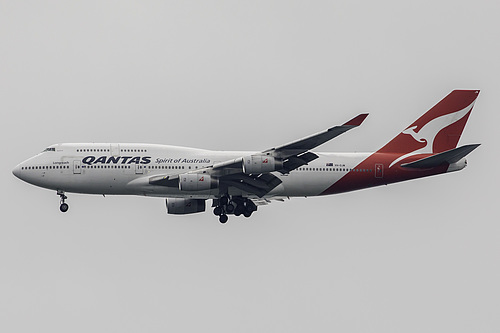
259,185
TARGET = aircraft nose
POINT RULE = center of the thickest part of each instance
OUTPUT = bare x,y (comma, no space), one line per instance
17,171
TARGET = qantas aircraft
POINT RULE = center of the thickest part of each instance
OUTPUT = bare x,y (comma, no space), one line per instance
238,181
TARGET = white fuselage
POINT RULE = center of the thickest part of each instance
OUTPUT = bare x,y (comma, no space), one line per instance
126,169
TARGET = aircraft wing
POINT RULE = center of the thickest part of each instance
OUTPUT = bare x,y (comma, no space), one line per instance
297,154
253,174
300,146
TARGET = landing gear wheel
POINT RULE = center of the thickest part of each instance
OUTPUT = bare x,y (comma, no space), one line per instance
218,210
239,210
224,200
223,218
64,207
247,213
229,208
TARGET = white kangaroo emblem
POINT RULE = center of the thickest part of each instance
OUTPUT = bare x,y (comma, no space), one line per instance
427,134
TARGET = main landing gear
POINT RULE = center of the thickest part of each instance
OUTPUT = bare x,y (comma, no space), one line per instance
235,205
64,206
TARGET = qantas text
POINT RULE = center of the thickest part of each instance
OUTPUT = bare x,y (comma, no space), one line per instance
89,160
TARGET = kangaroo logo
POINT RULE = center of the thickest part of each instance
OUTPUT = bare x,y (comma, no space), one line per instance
427,133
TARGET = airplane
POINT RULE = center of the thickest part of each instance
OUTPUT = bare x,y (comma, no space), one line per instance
238,182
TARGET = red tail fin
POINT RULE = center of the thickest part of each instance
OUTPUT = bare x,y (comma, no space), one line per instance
438,130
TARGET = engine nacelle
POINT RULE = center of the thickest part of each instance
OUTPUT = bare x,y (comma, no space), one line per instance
260,164
181,206
197,182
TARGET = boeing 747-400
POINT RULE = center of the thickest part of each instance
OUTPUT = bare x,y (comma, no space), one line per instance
239,181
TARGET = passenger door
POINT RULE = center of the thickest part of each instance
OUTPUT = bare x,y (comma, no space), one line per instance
77,167
139,169
379,171
114,149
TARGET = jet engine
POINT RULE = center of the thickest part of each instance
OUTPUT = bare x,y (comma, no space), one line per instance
181,206
260,164
197,182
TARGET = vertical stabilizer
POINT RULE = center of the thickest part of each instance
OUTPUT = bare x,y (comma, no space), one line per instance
438,130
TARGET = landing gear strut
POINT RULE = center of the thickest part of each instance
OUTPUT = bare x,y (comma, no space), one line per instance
64,206
235,205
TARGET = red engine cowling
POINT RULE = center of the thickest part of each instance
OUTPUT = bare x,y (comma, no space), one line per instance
181,206
260,164
197,182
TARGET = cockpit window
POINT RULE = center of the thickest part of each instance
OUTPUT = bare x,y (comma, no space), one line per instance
49,149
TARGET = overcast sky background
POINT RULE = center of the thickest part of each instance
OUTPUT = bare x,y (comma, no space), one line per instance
233,75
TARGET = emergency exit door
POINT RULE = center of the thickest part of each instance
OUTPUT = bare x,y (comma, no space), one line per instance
379,171
139,168
77,167
114,149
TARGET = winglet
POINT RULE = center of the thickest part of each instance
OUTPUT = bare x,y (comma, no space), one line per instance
356,121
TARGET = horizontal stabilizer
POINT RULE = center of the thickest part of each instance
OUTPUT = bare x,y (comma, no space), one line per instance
449,157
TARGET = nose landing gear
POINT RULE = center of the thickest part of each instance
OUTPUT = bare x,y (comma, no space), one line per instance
64,206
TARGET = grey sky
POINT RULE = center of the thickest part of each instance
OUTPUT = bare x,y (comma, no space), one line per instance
411,257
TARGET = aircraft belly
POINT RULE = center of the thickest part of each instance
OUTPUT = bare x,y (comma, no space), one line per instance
141,186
